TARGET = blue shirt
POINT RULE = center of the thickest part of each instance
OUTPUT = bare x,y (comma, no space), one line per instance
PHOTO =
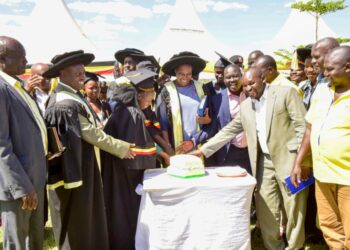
189,102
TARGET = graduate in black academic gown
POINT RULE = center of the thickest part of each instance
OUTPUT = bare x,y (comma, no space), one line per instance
74,180
121,177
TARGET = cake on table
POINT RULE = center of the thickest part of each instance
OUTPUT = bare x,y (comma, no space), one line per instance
186,166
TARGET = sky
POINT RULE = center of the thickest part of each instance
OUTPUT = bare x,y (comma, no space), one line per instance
116,24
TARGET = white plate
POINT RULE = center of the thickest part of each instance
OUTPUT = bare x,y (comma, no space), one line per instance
231,172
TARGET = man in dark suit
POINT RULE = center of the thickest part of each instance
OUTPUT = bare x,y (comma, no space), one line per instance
23,146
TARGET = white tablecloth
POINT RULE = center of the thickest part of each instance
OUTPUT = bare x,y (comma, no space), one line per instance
207,212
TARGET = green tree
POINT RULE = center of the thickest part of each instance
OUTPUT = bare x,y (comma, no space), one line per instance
343,40
318,8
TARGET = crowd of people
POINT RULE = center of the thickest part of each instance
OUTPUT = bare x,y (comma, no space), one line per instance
80,148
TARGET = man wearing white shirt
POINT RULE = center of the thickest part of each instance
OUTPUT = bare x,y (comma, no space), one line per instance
38,86
260,109
273,119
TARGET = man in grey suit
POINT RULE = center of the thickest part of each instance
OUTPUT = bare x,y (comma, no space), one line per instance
23,148
273,119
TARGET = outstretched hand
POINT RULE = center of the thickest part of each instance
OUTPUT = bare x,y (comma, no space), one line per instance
165,157
184,147
197,152
130,154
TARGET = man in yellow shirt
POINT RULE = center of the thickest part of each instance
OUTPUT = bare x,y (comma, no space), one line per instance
328,136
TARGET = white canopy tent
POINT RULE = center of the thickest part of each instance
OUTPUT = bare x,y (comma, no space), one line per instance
299,29
184,31
51,29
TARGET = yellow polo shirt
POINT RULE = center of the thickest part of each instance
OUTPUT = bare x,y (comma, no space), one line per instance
32,106
280,80
330,136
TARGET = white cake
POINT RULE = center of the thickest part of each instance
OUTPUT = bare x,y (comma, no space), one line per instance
186,166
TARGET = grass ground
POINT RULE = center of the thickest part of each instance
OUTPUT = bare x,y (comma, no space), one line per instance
49,243
257,243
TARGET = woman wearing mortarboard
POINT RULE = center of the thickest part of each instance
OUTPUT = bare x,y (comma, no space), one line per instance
179,100
121,177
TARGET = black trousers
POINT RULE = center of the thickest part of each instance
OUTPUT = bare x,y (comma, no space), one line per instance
238,157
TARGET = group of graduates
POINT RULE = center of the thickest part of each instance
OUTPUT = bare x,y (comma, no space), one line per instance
90,149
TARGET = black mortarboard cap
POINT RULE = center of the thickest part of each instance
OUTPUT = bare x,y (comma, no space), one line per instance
142,79
222,62
150,59
121,54
92,76
67,59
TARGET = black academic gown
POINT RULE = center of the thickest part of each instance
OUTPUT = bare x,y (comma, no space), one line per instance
78,214
121,177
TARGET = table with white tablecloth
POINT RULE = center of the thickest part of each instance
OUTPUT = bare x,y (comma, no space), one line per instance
208,212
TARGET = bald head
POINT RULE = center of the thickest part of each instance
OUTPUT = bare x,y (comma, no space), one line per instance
253,71
320,49
337,67
253,83
266,61
268,67
253,56
341,54
39,68
326,43
12,56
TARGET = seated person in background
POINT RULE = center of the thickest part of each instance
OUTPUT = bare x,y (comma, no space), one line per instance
92,93
121,177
